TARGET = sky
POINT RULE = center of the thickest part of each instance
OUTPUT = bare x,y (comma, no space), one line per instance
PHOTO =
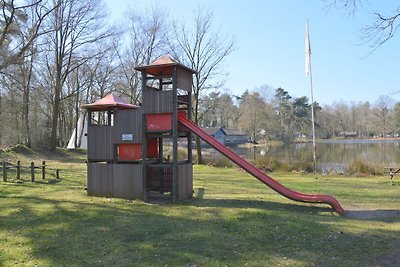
270,46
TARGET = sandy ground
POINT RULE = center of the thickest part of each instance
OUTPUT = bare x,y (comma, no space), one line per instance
372,214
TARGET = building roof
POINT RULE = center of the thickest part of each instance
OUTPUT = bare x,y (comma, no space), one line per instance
163,66
108,102
233,131
214,130
211,130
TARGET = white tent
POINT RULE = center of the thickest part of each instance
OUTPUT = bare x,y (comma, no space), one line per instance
79,133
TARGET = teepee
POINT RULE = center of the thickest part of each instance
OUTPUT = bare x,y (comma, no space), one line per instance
79,134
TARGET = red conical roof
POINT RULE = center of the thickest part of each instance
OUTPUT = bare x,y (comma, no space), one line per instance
108,102
164,60
162,66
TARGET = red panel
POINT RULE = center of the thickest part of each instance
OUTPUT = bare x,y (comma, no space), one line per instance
152,148
182,113
129,151
159,122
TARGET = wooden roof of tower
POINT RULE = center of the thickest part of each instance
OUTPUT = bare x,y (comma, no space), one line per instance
163,66
108,102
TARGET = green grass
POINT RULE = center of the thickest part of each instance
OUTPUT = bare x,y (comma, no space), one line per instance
233,220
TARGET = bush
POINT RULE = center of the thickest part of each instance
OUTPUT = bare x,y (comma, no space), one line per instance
271,164
360,167
182,152
21,149
217,161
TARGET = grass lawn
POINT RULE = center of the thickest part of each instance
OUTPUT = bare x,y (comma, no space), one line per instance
233,220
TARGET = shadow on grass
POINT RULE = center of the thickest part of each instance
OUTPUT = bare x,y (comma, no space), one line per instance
200,201
88,233
28,182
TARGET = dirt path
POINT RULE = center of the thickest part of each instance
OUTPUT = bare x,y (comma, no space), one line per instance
373,214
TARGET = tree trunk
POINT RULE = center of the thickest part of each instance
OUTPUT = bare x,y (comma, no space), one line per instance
1,118
27,73
197,139
77,134
25,115
56,111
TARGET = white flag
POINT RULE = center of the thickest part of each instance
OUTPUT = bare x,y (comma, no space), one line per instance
308,52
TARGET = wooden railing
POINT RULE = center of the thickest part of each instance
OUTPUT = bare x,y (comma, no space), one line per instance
5,166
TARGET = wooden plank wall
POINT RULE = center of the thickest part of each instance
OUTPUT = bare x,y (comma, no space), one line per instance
100,142
185,181
184,80
128,121
100,179
128,181
157,101
115,180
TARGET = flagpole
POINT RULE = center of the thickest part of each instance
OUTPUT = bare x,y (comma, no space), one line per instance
309,73
313,122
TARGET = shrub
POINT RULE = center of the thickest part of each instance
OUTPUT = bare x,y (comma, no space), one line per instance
182,152
360,167
217,161
271,164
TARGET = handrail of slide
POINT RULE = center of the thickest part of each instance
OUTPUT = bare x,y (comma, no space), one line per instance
261,176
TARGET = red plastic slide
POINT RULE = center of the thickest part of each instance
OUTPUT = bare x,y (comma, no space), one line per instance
311,198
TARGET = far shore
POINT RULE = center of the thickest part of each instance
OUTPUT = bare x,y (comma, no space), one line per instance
299,141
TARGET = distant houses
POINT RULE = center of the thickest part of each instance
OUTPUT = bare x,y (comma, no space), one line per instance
228,137
348,134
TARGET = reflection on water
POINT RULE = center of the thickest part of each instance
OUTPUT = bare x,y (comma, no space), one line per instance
331,154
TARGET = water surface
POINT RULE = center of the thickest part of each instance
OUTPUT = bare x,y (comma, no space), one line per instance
331,154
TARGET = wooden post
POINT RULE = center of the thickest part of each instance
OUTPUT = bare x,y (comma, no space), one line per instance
18,170
144,139
4,165
144,156
189,134
32,172
175,177
57,173
44,170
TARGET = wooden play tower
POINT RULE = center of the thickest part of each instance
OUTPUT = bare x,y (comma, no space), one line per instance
127,144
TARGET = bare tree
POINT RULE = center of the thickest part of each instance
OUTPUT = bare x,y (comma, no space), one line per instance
254,115
396,117
76,25
204,50
383,106
349,6
218,110
16,35
380,30
148,35
341,117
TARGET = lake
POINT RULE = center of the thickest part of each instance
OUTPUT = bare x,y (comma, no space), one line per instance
331,154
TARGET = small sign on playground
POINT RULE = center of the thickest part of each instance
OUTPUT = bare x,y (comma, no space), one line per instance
127,137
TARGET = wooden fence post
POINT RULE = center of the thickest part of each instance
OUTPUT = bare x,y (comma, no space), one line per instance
4,165
18,167
32,172
57,173
44,170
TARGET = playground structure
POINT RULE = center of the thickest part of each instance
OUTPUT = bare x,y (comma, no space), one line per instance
126,143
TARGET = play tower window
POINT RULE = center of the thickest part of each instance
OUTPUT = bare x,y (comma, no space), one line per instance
105,118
